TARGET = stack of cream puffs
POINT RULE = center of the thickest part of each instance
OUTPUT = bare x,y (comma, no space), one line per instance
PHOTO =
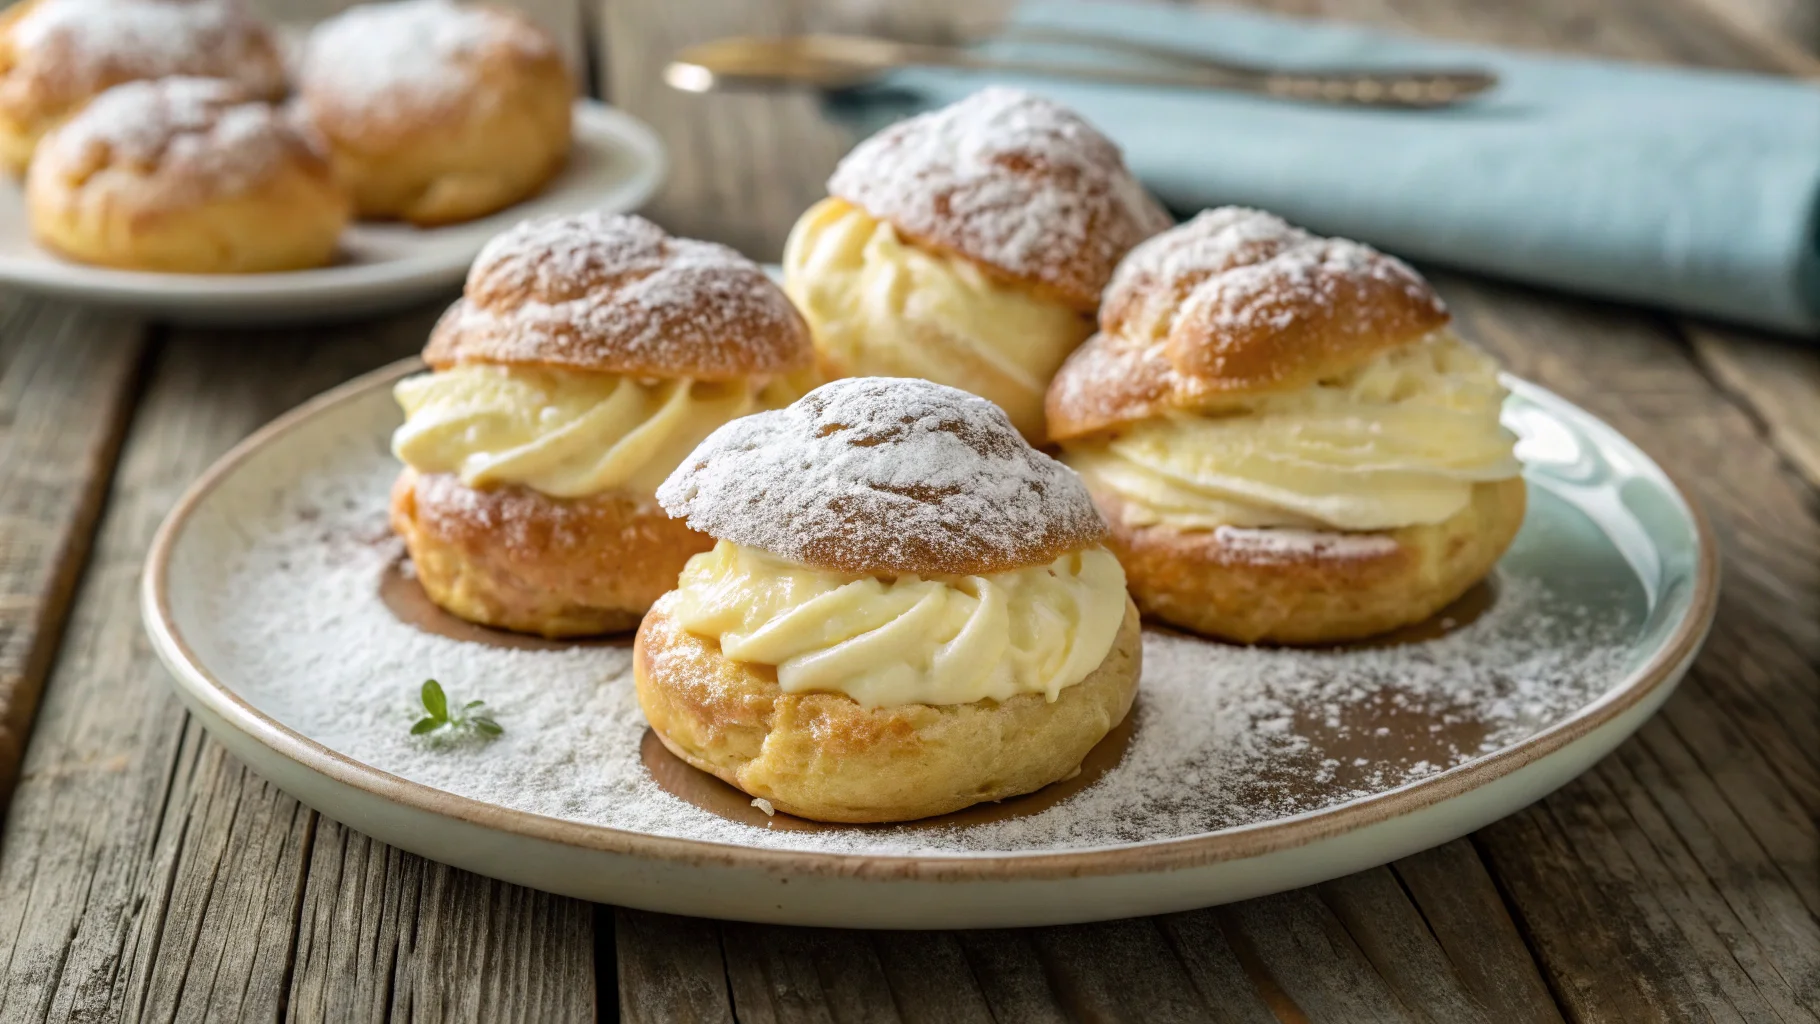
880,602
149,138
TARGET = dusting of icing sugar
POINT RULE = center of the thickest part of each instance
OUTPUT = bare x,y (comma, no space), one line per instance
1225,736
1010,180
1237,268
609,291
404,58
77,47
884,474
1276,544
198,136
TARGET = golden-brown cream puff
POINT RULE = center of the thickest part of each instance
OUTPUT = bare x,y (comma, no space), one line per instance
56,55
1289,442
968,246
437,112
908,610
587,356
186,175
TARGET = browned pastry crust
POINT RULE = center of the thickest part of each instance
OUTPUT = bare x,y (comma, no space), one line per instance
516,559
614,293
441,156
825,757
43,84
185,175
972,179
1231,304
1294,594
885,475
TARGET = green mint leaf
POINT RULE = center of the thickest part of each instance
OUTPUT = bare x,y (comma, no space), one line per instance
425,725
434,700
487,726
471,705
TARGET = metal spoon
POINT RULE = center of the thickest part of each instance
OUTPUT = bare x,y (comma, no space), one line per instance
838,62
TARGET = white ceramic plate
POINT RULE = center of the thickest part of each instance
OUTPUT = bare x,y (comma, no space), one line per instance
274,594
616,164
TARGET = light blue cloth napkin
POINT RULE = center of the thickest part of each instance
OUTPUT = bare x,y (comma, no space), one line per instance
1691,190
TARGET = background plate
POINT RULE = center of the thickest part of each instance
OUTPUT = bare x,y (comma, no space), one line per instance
616,163
273,593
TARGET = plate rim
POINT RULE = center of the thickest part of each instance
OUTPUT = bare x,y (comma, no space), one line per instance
160,291
1151,856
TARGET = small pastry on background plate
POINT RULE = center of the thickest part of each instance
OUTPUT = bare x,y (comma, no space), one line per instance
587,357
968,246
908,609
56,55
186,175
437,112
1288,440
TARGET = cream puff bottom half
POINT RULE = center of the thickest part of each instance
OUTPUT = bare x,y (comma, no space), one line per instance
825,757
513,558
1288,587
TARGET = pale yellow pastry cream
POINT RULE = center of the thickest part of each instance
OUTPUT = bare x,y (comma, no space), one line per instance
566,433
880,306
886,641
1397,442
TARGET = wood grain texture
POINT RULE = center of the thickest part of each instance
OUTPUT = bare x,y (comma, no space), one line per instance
67,380
151,876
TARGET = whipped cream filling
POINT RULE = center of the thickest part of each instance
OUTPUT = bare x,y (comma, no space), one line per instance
1400,441
565,433
880,306
887,641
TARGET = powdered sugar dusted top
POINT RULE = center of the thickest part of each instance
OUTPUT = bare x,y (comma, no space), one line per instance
885,475
58,53
1236,302
615,293
189,139
1009,180
413,59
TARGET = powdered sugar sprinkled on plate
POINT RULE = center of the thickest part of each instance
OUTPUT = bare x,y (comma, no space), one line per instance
1225,736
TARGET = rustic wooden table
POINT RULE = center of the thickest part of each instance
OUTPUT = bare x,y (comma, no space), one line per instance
145,874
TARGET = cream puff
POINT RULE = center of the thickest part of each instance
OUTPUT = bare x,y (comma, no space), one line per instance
907,609
56,55
437,112
968,246
189,175
1288,440
587,356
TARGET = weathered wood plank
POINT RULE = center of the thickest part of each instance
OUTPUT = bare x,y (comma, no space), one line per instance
670,969
1460,904
1775,379
159,877
67,383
